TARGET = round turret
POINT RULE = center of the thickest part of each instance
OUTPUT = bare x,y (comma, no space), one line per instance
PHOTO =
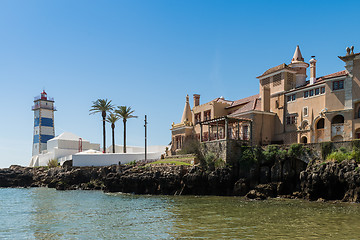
298,64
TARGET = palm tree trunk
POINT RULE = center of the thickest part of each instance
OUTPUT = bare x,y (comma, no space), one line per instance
103,114
124,136
113,136
104,138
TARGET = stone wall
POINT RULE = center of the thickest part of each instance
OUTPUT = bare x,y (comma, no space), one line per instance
317,148
230,149
227,150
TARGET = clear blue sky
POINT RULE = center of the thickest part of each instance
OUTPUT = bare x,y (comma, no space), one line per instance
149,55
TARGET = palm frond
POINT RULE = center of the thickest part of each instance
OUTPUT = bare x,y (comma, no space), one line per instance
101,105
112,118
125,112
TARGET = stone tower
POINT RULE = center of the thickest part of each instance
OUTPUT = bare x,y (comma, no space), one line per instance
43,122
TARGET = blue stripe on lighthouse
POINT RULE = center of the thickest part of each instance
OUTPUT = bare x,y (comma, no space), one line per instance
36,122
36,138
45,138
47,122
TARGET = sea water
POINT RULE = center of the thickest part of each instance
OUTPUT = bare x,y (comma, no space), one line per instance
41,213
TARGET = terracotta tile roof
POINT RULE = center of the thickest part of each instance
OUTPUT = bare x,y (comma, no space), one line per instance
257,104
337,74
275,69
253,104
243,101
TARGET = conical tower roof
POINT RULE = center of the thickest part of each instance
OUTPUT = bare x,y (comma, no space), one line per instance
187,116
297,55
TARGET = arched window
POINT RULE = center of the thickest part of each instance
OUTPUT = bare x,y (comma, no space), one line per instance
304,139
320,124
337,119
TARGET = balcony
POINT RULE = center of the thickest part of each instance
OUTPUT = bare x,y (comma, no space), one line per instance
38,106
47,98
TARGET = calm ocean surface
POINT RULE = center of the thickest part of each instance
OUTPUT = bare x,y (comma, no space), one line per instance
40,213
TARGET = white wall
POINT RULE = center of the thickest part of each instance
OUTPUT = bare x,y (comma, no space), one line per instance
71,144
47,130
45,113
137,149
100,159
41,159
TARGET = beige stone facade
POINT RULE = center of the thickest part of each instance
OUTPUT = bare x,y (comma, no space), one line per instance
289,108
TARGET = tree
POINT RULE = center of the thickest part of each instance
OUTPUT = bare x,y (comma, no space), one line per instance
112,118
125,113
102,106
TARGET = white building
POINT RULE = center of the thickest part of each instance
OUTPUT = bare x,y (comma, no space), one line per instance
133,153
62,148
137,149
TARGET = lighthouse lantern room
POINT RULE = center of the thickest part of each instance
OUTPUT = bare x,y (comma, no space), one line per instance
43,122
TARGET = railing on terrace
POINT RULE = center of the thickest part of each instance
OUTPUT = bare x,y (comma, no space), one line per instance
47,98
37,106
213,137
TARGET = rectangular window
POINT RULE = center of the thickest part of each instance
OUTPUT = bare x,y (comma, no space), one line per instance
197,118
291,119
322,90
291,98
306,94
207,115
317,91
338,85
305,111
341,84
245,132
311,92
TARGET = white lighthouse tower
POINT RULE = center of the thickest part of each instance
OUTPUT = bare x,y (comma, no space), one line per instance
43,122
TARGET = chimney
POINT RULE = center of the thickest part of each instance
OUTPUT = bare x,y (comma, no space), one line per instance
196,100
265,99
312,70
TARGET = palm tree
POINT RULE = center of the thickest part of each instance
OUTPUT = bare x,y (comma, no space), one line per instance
112,118
125,112
102,106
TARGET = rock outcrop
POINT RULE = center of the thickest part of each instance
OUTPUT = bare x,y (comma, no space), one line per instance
331,181
327,181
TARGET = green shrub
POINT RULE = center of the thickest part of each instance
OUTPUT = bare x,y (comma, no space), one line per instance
338,156
132,163
248,157
355,154
295,150
52,163
271,153
210,161
355,143
219,163
342,149
326,149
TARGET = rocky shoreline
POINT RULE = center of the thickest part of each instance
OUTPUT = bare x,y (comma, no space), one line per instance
319,181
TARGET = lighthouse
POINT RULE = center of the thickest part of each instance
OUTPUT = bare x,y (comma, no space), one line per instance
43,122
